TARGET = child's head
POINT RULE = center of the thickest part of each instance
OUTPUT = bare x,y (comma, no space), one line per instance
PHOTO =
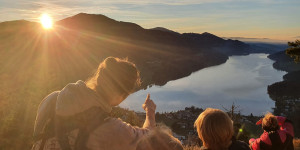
159,138
215,129
270,123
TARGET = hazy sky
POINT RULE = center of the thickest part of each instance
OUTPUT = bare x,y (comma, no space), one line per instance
276,19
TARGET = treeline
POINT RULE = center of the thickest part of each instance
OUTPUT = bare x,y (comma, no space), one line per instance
286,93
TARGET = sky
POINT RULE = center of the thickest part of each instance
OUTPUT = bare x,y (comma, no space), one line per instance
273,19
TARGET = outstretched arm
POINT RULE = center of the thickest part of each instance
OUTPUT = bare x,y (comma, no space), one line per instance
254,144
150,107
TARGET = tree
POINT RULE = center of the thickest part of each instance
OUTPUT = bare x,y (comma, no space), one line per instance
294,50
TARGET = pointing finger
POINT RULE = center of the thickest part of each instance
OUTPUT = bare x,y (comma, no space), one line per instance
148,97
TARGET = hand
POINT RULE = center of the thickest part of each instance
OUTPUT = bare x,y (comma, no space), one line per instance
259,122
251,141
149,105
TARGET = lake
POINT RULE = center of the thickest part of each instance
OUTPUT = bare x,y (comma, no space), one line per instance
242,80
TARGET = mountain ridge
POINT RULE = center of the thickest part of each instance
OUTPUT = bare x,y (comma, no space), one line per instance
100,36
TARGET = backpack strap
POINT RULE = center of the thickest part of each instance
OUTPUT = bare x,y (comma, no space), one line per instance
61,131
86,122
277,144
48,128
84,132
288,144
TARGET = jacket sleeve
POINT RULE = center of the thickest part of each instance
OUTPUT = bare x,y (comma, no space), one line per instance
115,134
286,125
254,144
133,133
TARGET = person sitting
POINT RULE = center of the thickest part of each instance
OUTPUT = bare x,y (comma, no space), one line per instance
76,118
159,139
278,134
215,129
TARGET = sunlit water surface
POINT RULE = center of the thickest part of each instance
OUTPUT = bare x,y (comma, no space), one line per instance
242,80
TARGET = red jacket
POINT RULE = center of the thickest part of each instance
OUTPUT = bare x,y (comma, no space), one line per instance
281,139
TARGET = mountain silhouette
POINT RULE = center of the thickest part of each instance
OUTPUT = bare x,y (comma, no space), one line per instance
79,43
164,30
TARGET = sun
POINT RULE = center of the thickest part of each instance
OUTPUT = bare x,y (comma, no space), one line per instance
46,21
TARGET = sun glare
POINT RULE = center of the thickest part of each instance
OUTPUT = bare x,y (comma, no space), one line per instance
46,21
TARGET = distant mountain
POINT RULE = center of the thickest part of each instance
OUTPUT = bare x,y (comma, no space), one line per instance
270,47
103,24
164,30
95,37
214,43
99,23
257,40
265,45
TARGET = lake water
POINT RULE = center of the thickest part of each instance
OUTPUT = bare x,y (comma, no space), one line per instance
242,80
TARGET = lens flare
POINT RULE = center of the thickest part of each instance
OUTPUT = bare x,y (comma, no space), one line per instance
46,21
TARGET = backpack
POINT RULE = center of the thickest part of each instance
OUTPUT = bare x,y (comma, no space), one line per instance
51,125
277,144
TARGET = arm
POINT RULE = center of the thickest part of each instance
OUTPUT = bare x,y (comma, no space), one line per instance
149,106
254,144
127,135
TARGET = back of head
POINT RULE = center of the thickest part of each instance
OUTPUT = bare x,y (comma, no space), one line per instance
270,123
215,129
115,74
159,139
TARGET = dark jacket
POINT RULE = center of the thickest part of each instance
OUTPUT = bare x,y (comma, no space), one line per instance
281,139
239,145
235,145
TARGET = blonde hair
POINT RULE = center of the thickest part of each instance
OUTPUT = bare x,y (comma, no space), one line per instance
159,138
115,74
270,123
215,129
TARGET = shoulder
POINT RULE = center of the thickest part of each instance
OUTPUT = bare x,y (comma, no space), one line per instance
49,100
239,145
75,98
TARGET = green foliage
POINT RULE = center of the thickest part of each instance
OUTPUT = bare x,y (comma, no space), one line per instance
126,115
294,50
